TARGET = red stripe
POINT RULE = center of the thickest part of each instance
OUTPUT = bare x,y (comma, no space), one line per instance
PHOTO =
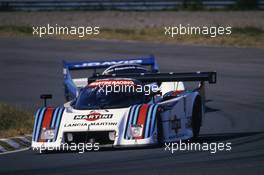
142,116
47,119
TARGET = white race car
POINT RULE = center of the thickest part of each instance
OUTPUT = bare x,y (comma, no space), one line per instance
125,108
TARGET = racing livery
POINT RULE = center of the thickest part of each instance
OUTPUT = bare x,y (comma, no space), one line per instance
125,105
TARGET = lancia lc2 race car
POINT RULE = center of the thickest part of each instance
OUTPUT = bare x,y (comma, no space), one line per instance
129,103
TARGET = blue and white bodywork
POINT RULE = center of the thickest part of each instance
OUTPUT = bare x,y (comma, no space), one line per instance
124,118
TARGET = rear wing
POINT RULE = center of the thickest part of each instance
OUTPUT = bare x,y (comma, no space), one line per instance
210,77
72,85
144,61
162,77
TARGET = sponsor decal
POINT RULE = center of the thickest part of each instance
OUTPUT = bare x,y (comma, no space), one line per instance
93,116
67,125
104,124
75,125
108,63
112,83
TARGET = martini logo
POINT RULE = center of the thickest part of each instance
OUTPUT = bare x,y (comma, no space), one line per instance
93,116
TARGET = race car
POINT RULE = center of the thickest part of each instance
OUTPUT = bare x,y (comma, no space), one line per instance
126,105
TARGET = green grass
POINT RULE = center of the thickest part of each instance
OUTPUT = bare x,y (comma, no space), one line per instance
15,30
240,37
14,121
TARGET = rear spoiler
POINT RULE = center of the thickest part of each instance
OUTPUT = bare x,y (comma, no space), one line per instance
162,77
144,61
201,77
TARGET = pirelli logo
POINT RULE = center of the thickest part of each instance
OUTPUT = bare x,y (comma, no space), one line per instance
93,116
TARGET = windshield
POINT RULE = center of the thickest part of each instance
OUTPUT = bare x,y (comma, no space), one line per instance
96,98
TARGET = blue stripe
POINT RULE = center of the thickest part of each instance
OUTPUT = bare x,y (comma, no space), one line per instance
136,115
54,117
153,120
57,123
36,120
130,115
39,124
128,121
148,120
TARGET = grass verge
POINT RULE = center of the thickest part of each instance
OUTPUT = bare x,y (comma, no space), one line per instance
240,37
14,121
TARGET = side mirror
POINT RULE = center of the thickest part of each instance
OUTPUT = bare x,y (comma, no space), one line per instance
45,97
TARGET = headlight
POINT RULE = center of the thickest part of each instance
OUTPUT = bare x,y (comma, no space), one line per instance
112,135
47,134
136,131
69,137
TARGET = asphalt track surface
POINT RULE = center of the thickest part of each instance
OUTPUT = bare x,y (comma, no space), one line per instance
235,104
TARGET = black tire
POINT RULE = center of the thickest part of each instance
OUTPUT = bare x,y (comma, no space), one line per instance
159,129
197,117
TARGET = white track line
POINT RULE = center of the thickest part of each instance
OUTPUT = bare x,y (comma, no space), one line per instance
12,143
23,139
15,151
2,149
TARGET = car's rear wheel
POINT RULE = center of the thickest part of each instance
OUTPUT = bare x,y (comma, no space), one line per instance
197,117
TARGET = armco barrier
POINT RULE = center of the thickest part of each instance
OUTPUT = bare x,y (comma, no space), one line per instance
43,5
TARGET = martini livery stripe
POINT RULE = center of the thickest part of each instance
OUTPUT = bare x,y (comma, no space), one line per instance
136,115
129,119
143,115
36,122
45,122
48,118
149,116
54,117
58,121
153,121
39,121
141,120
